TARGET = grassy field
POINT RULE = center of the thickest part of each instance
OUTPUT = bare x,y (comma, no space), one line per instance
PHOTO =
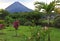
9,34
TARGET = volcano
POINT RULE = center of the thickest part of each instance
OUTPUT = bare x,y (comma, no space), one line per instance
17,7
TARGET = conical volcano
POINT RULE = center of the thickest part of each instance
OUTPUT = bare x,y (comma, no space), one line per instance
17,7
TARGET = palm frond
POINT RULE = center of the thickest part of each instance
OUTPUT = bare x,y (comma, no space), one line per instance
46,7
51,6
40,5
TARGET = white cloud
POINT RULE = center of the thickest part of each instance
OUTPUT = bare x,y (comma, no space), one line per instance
4,5
5,1
29,5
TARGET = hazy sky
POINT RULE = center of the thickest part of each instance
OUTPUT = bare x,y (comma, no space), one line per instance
27,3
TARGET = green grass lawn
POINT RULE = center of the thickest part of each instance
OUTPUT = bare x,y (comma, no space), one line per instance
23,32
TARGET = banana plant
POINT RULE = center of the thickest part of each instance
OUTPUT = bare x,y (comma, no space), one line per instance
47,9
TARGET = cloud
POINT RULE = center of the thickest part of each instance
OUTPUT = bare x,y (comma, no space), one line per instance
29,4
4,5
5,1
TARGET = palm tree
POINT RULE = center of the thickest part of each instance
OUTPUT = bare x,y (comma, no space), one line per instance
47,8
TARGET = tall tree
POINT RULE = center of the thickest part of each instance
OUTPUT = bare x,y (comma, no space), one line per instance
47,8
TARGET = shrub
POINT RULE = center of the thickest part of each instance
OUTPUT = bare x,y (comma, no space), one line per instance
8,20
44,22
2,21
57,22
39,34
22,21
28,23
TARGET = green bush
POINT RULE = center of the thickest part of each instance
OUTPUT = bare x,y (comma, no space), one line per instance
44,22
8,20
57,22
22,21
38,34
28,23
2,21
23,17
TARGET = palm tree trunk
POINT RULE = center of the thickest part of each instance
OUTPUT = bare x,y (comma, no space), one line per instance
48,28
48,18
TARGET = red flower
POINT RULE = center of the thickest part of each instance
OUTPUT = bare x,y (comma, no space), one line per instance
1,26
16,24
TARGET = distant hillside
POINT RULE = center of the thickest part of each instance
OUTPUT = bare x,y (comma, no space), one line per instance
17,7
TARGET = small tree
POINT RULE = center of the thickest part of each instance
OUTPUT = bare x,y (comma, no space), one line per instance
16,25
